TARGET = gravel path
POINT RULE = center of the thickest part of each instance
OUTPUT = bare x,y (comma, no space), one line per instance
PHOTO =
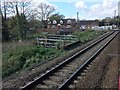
103,71
24,77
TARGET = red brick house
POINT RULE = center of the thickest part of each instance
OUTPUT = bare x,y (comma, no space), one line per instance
63,23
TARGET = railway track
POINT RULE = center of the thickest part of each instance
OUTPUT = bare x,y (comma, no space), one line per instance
60,76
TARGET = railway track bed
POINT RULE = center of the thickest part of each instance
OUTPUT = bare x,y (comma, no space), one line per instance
46,81
103,71
61,75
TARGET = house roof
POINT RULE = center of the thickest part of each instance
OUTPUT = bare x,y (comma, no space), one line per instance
63,21
89,22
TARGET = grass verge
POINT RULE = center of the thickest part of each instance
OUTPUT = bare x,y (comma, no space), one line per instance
21,58
85,36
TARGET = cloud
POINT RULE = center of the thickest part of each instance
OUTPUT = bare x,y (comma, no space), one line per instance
39,1
78,0
80,5
104,9
99,10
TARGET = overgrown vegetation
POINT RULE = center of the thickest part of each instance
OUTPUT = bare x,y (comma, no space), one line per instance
88,35
21,58
19,18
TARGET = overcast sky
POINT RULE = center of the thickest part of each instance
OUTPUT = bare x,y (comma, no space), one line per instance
88,9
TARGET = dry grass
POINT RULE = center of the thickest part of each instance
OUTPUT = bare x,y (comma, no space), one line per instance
7,46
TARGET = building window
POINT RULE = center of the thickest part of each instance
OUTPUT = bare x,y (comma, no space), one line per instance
53,26
68,26
68,21
54,22
61,22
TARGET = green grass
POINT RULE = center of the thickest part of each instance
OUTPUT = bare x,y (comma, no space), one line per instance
33,36
21,58
85,36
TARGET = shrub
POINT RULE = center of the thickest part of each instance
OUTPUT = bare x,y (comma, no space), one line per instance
21,58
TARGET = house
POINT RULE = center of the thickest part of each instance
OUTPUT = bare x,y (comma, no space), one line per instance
63,23
88,24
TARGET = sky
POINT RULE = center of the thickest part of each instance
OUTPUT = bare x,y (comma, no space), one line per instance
87,9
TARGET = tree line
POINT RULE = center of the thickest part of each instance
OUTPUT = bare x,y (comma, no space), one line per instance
20,18
110,21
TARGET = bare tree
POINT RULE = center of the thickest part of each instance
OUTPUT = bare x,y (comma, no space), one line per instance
5,31
31,14
45,10
20,10
24,6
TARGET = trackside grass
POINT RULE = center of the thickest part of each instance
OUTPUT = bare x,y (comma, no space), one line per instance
85,36
21,58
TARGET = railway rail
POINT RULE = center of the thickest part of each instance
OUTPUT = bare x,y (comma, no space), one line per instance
60,76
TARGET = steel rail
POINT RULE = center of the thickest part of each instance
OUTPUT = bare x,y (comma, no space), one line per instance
83,67
30,85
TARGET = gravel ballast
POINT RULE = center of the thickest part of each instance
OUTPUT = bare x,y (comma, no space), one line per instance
103,71
21,78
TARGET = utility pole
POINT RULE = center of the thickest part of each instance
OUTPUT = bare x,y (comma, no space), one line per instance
118,14
77,16
114,13
114,23
77,20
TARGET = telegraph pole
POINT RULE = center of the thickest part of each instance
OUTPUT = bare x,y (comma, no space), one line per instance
115,18
77,16
118,14
114,13
77,20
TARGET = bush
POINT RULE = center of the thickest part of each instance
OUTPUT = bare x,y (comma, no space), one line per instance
88,35
20,58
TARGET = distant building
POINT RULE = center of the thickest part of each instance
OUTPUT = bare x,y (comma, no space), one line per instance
63,23
119,8
88,24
